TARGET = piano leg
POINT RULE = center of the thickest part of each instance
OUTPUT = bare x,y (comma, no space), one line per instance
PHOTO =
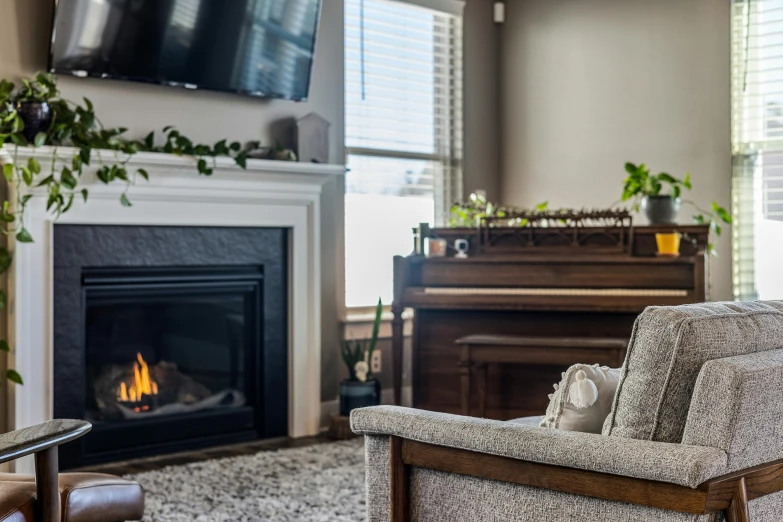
465,376
397,350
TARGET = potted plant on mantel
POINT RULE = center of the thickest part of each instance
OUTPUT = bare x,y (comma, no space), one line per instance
361,388
661,206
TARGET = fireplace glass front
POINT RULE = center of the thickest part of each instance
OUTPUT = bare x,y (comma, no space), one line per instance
171,354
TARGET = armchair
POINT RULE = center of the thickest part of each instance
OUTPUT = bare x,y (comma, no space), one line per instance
52,497
695,434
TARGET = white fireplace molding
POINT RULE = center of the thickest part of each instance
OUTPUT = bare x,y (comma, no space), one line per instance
267,194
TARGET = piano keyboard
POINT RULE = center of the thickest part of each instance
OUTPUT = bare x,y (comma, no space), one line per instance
591,292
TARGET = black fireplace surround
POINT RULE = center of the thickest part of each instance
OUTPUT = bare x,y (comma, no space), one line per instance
169,338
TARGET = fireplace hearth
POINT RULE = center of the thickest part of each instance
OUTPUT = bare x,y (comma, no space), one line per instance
173,355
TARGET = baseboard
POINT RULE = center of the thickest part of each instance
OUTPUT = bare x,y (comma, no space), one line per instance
387,397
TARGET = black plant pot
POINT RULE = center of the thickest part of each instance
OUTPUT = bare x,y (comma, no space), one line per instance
661,210
356,394
37,117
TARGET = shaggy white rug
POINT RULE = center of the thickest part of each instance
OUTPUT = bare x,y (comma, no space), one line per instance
320,483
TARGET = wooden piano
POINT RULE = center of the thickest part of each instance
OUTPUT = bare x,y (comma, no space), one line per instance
564,292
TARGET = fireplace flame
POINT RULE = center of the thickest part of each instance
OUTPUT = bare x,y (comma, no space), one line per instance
140,386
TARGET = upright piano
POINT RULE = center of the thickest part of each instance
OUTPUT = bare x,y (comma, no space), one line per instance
531,292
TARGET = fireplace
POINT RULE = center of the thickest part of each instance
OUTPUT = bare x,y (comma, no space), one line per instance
163,352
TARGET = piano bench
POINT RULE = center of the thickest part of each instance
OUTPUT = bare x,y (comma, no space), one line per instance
478,351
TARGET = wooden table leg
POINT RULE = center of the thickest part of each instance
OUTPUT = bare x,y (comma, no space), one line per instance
481,369
465,375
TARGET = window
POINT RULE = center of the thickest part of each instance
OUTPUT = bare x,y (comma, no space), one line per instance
403,132
757,147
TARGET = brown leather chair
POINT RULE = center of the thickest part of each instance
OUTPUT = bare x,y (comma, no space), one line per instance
68,497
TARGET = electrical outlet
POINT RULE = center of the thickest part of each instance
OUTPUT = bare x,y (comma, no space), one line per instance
375,364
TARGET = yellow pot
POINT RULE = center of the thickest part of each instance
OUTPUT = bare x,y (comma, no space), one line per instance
668,244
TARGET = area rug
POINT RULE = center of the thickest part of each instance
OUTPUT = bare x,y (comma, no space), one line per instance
320,483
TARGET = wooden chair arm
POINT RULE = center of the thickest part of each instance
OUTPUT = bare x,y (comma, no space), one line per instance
42,441
729,493
20,443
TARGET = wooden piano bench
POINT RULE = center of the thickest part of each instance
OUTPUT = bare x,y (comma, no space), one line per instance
477,351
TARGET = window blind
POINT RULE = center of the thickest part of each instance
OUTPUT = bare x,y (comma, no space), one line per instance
757,147
403,100
403,132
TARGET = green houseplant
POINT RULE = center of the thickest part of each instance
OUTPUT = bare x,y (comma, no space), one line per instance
361,388
660,197
35,115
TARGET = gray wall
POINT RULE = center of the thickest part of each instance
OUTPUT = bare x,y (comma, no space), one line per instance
590,84
209,117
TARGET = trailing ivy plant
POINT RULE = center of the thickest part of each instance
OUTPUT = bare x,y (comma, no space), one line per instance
76,125
469,214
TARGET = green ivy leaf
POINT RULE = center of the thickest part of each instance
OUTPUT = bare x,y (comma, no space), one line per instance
84,154
202,166
68,180
85,194
14,376
542,206
125,201
23,236
143,173
27,176
8,172
687,181
88,104
241,160
5,259
40,139
4,347
149,140
235,146
33,165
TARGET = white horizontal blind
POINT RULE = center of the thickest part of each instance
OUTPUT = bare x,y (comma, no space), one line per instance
757,146
403,99
403,131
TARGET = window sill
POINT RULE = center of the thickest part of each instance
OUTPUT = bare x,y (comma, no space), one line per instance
358,323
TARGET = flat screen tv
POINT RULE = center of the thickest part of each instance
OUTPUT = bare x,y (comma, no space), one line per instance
254,47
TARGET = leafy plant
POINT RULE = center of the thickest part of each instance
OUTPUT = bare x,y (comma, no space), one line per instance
362,349
76,125
470,213
640,184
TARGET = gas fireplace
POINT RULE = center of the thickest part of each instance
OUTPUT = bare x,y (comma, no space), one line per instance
172,357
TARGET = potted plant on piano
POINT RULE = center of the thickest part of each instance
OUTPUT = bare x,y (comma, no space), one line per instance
661,204
361,388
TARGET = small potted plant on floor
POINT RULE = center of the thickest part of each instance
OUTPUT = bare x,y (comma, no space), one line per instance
361,388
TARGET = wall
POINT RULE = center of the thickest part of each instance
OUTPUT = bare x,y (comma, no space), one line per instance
209,117
590,84
482,99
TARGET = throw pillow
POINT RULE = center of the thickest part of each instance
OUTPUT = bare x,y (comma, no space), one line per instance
582,399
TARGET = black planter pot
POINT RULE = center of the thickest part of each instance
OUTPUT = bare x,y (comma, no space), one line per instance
37,117
355,394
661,210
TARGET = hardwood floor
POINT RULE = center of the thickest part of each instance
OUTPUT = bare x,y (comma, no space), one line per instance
174,459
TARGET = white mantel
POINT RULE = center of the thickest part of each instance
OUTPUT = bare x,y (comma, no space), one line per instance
267,194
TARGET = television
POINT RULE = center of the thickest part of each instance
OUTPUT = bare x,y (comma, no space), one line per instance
253,47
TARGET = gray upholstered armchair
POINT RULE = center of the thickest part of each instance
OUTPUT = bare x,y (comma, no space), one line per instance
695,434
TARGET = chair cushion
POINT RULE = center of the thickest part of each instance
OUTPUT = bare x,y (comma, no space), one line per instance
17,502
562,414
668,347
88,497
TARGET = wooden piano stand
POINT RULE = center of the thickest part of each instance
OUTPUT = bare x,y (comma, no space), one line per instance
477,351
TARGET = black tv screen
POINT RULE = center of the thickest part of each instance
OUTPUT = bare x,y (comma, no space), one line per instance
254,47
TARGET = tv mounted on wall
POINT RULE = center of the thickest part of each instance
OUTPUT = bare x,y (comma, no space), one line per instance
253,47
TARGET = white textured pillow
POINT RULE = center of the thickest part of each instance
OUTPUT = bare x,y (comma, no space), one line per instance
582,399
